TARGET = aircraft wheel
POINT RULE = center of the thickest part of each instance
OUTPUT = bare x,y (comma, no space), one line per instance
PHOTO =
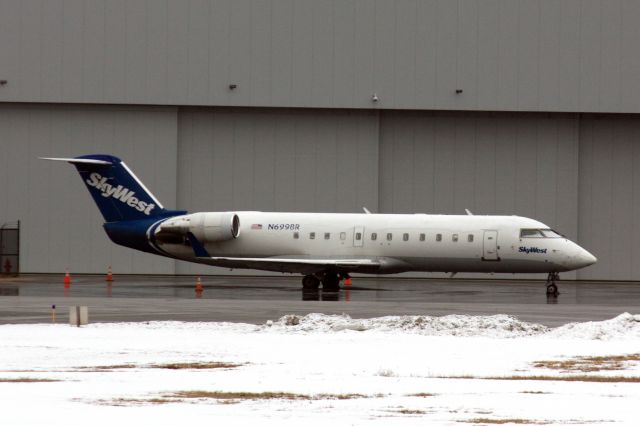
310,282
552,290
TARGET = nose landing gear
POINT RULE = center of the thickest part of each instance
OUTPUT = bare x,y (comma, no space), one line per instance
552,288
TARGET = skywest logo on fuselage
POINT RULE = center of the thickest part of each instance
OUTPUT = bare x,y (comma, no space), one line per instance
532,250
119,192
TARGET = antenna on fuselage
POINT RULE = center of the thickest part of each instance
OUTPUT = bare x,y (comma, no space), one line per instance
468,212
366,210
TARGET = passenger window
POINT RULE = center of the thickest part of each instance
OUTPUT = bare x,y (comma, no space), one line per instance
343,235
296,235
358,236
312,236
374,236
327,235
470,238
422,237
389,236
454,238
438,237
405,237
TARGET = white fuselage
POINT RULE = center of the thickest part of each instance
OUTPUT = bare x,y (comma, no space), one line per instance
397,242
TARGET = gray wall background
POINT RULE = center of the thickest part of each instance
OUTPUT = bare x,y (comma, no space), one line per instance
276,160
547,125
577,173
519,55
60,228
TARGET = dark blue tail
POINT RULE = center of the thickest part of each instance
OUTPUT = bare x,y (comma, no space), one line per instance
117,191
128,207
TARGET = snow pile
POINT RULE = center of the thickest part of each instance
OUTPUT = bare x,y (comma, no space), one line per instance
623,326
497,326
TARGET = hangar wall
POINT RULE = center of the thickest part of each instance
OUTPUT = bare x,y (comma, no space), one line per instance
276,160
60,225
609,195
577,173
519,55
436,162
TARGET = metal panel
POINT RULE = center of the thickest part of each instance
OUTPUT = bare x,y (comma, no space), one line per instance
343,53
590,48
281,52
487,55
609,206
364,53
198,51
276,160
60,226
549,54
177,52
93,52
521,55
489,163
508,53
115,75
467,160
157,52
528,53
569,58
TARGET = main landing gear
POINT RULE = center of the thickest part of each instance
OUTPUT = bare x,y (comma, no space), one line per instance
552,288
330,281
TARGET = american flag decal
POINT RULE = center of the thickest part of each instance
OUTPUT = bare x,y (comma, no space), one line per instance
256,226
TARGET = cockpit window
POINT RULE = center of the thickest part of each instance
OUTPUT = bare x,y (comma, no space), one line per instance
550,233
531,233
539,233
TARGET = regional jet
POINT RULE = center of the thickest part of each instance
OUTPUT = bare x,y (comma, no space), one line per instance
324,247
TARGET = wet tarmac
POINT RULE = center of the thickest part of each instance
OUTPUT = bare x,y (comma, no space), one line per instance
29,299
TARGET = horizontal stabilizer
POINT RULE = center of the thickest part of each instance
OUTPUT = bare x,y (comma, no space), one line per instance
77,160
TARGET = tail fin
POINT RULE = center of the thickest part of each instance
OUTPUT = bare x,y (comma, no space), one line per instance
117,191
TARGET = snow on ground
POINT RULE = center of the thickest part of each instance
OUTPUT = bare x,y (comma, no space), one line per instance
451,370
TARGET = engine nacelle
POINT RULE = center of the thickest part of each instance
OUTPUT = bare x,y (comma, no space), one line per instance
206,227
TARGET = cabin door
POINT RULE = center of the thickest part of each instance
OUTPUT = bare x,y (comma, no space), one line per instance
490,246
358,236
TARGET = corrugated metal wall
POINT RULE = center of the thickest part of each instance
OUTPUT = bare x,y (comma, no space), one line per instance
276,160
609,214
489,163
577,173
521,55
60,225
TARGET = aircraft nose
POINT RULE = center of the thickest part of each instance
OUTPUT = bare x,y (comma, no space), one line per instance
583,258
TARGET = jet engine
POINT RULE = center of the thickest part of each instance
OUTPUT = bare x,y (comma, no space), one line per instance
206,227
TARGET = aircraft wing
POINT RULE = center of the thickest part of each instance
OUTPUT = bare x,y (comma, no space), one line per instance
293,264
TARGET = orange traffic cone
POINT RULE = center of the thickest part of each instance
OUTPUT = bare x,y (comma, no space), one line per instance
347,281
67,279
199,287
109,275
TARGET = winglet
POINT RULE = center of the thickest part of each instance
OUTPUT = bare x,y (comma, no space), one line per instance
198,248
